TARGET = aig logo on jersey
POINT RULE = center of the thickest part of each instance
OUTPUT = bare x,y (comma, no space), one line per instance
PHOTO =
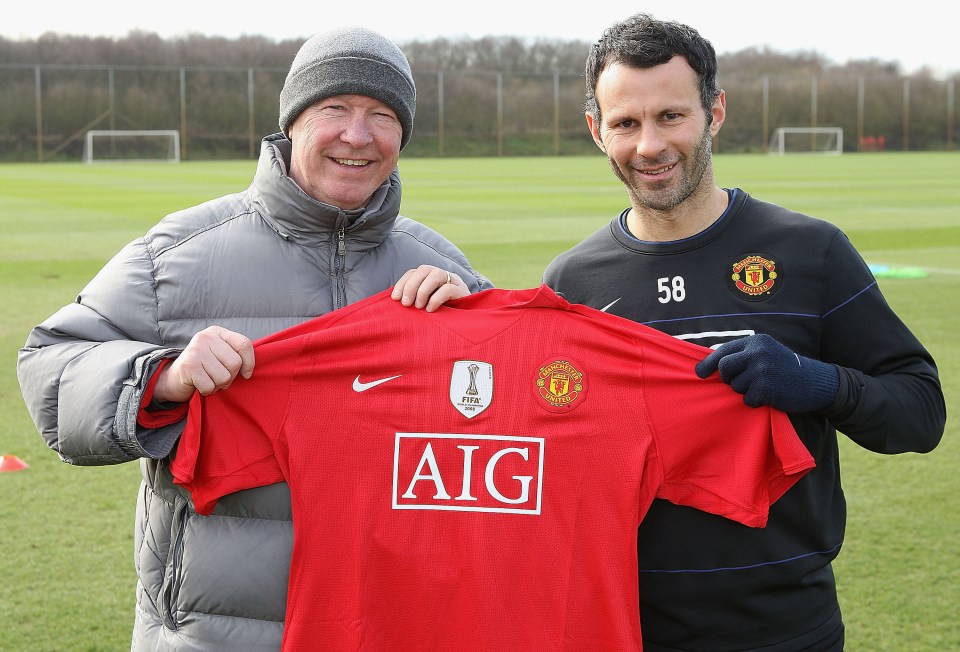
467,473
755,277
471,387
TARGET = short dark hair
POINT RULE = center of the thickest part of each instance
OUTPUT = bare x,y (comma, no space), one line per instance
642,41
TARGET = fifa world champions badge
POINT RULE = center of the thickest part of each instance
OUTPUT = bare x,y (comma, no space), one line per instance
561,384
471,387
755,277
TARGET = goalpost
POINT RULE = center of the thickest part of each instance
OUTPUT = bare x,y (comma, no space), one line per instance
132,145
807,140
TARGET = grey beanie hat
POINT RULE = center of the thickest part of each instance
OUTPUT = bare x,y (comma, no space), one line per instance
349,61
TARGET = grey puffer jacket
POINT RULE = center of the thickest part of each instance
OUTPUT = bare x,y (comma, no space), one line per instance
254,262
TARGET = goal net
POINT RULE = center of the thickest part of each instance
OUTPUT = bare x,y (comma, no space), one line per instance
132,145
807,140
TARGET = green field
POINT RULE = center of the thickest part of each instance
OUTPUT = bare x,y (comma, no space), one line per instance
66,533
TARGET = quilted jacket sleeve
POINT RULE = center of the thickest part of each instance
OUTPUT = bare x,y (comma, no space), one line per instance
82,371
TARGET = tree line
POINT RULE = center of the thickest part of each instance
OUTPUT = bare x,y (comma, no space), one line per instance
476,96
139,48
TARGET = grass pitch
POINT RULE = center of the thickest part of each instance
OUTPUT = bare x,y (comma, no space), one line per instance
66,533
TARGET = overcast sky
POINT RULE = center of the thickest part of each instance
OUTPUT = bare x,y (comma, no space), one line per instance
913,34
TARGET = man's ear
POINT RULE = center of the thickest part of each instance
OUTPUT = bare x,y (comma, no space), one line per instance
595,131
719,113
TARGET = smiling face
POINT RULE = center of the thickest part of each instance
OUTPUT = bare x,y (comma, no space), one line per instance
344,147
655,132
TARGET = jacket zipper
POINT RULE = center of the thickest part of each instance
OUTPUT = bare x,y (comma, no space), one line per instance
341,299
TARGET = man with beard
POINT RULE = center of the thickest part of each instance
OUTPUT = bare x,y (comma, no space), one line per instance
797,322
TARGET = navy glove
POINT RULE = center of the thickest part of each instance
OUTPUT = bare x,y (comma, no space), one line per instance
768,373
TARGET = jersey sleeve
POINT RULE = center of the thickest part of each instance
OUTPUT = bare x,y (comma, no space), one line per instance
717,454
233,438
229,441
890,399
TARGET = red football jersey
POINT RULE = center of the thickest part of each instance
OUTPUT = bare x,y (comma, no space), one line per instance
473,478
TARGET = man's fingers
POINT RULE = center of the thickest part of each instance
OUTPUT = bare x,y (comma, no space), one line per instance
229,354
709,364
416,285
243,348
428,287
210,362
460,283
445,293
400,292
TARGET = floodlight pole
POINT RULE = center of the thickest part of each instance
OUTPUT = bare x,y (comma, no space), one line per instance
861,111
556,113
499,114
183,113
440,113
110,93
251,136
813,109
950,101
38,94
906,115
765,112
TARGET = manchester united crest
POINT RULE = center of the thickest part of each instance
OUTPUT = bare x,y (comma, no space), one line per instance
755,277
560,383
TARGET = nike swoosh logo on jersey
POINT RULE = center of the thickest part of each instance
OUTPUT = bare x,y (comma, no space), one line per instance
362,387
609,305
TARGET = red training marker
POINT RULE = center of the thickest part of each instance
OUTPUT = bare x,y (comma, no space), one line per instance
11,463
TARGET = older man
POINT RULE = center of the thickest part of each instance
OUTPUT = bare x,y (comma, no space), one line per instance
106,378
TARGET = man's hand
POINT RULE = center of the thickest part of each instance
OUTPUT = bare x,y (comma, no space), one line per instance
428,287
768,373
211,361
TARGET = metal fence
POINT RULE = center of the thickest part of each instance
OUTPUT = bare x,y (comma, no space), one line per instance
222,113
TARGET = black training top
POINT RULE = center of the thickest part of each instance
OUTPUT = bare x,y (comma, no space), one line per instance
707,582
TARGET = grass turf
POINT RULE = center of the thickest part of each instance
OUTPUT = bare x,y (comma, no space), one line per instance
66,567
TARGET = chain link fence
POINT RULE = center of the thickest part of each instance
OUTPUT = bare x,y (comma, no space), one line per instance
222,113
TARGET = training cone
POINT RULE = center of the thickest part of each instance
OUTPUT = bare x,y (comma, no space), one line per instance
11,463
